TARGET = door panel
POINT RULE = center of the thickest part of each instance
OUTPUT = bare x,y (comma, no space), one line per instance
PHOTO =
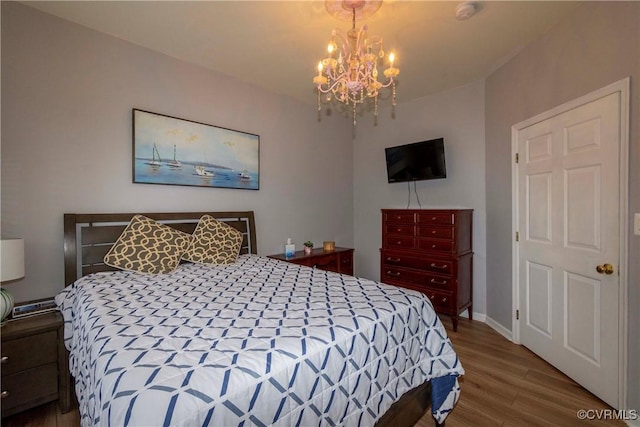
539,286
582,334
539,207
582,189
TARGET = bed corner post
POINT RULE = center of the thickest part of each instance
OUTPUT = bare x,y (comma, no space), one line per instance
70,250
252,225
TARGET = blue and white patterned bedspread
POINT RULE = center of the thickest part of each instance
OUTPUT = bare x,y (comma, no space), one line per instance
258,342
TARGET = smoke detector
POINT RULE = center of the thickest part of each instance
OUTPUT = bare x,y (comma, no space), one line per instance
465,10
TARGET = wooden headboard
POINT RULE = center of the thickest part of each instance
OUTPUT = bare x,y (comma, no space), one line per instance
88,237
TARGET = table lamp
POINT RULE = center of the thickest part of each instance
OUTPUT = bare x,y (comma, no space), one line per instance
11,268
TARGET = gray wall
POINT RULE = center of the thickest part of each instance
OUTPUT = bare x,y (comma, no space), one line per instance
458,116
598,45
67,95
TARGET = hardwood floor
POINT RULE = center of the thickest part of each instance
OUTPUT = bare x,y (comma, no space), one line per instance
504,385
47,415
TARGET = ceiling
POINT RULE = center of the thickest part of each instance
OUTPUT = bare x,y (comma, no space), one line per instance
277,44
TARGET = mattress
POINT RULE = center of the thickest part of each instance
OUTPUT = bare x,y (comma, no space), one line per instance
259,342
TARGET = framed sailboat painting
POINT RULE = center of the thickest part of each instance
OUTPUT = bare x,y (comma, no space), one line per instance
172,151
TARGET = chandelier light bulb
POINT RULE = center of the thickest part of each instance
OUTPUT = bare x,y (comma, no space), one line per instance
392,58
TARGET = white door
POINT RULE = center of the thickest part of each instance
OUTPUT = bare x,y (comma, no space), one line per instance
568,252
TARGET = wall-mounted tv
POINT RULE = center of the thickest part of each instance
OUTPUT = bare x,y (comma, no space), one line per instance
416,162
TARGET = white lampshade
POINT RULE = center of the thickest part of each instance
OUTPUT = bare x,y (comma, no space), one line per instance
11,268
11,259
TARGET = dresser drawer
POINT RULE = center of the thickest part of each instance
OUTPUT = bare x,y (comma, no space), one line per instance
400,242
436,245
442,301
29,352
33,386
399,229
398,259
435,218
435,232
327,262
423,281
398,217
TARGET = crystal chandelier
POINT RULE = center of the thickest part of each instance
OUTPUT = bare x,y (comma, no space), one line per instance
350,71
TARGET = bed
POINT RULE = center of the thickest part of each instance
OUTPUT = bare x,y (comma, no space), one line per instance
256,342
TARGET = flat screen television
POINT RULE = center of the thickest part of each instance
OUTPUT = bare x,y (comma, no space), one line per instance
416,162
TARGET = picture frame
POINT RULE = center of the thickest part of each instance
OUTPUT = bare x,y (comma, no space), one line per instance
173,151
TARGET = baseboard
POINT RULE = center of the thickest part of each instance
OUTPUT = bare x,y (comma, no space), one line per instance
480,317
498,328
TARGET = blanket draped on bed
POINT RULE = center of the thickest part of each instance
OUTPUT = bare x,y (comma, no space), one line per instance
259,342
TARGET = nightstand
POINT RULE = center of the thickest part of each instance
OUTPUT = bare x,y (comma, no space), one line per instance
340,260
34,363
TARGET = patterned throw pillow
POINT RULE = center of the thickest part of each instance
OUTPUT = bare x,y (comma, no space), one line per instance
147,246
214,242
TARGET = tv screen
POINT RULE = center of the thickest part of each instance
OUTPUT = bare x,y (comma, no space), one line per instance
416,162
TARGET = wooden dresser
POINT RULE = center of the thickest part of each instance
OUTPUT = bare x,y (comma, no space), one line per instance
339,260
430,251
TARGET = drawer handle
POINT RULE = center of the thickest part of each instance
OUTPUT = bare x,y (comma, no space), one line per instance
393,259
433,246
4,394
441,267
444,299
433,218
432,296
438,282
398,242
433,231
4,359
399,230
392,273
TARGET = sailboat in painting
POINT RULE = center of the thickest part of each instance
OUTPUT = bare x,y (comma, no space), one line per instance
156,161
174,163
201,171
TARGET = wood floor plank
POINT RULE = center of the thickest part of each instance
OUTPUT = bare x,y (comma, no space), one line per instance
70,419
41,416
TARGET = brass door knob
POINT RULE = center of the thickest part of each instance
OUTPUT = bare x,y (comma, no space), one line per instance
604,269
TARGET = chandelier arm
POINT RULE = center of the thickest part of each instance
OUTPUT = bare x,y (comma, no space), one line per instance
389,83
329,88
